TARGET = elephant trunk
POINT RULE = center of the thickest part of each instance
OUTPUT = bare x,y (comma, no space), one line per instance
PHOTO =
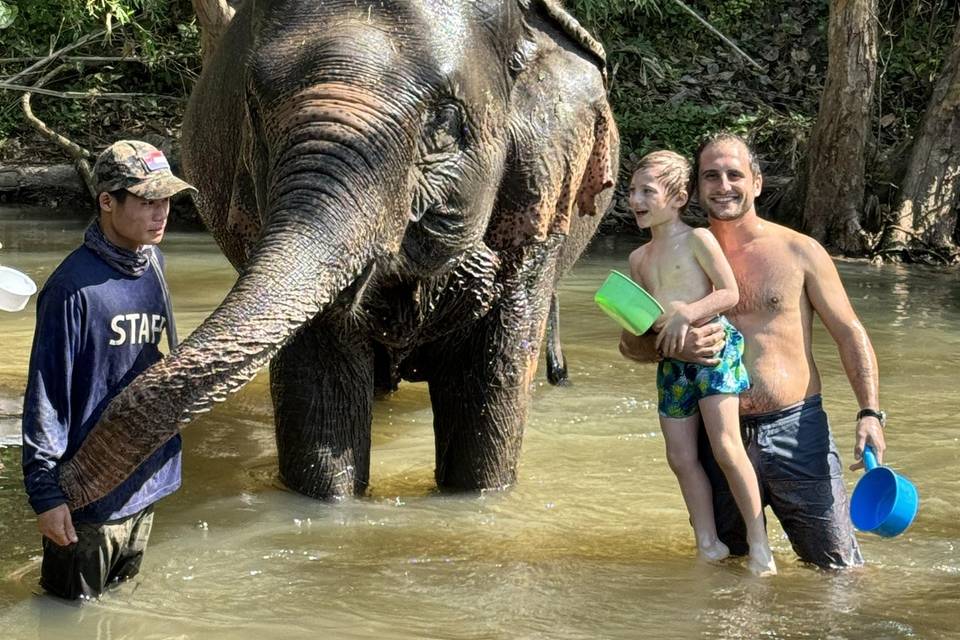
297,271
332,208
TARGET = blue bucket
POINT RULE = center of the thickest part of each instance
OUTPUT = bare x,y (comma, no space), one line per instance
883,502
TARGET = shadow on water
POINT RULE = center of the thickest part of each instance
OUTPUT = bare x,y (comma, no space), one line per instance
592,542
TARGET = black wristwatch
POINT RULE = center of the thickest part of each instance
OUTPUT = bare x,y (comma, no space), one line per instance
870,413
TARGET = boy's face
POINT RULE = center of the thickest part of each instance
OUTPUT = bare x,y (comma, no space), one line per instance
649,200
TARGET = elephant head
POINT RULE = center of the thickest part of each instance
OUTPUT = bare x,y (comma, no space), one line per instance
345,148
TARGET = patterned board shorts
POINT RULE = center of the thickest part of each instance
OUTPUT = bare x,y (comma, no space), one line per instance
681,385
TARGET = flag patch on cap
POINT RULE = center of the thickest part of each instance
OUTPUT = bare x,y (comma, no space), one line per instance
155,160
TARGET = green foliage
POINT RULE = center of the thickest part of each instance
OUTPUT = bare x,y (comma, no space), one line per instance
156,39
914,36
726,14
670,126
8,13
671,80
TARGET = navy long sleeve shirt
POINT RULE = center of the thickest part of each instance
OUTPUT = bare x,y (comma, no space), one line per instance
97,329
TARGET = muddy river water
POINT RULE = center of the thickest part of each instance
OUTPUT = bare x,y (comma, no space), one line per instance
592,542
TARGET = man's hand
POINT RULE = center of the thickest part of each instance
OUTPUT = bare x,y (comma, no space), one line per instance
869,432
57,525
703,345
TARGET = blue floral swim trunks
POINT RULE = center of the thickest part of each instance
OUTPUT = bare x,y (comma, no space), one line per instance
681,385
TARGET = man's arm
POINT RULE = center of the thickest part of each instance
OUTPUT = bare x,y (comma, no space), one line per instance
701,346
830,301
640,348
46,412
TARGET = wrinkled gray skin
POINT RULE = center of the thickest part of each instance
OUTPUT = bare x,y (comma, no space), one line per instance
398,185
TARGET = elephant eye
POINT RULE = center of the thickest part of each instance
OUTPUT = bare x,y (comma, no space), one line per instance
445,127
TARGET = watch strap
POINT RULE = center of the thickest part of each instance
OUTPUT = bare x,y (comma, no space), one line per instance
872,413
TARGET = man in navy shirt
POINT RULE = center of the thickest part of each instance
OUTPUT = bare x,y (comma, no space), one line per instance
100,317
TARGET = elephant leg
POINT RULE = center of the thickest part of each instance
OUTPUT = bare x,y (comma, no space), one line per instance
481,381
322,385
556,362
386,379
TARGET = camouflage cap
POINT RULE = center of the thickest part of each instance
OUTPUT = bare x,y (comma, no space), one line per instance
138,167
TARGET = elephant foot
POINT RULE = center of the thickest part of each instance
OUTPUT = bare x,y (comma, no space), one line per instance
478,430
323,480
322,386
460,482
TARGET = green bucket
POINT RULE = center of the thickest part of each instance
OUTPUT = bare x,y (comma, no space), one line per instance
626,302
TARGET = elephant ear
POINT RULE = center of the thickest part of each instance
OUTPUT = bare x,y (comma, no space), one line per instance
574,30
564,139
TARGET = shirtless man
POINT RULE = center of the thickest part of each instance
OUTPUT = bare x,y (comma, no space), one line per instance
784,278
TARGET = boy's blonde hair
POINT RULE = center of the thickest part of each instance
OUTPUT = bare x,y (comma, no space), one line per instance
674,172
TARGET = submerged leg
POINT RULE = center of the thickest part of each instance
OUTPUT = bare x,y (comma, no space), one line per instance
680,436
722,421
481,378
322,386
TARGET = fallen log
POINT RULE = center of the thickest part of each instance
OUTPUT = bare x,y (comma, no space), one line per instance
44,185
59,186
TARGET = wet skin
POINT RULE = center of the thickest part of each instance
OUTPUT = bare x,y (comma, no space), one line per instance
783,277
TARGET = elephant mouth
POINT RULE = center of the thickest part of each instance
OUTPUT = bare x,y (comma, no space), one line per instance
442,222
432,245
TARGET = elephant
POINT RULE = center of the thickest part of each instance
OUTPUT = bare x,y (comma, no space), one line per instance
399,185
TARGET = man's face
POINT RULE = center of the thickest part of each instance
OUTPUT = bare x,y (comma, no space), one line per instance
134,222
726,185
649,200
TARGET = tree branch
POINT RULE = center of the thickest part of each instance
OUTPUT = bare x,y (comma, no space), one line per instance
79,42
214,17
717,33
79,154
80,95
76,59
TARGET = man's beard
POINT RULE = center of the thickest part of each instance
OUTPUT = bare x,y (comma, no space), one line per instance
727,213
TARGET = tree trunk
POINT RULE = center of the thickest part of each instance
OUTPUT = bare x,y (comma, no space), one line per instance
836,156
214,16
926,216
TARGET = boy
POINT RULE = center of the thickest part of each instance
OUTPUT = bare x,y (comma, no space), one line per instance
99,321
685,270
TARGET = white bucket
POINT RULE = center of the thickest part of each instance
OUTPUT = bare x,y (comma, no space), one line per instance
15,289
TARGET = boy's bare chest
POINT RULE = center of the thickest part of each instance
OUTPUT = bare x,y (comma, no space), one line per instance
669,265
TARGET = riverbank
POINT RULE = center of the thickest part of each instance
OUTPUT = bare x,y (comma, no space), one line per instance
59,185
35,172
